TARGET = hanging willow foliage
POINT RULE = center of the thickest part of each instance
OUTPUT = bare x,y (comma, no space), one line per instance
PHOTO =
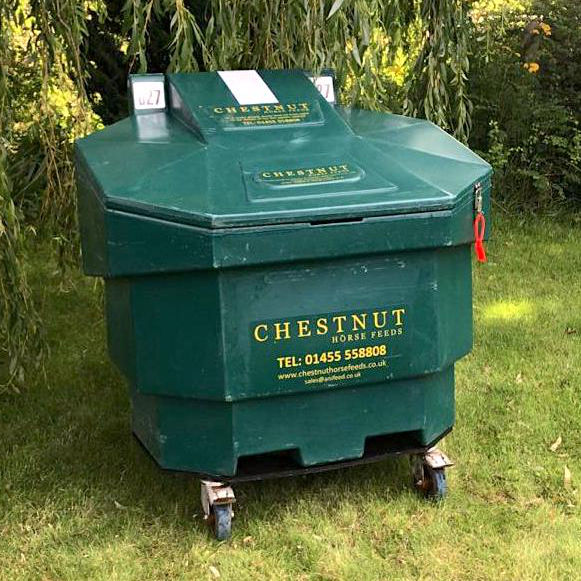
315,34
437,85
20,331
62,60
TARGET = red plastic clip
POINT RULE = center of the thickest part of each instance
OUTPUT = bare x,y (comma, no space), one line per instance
479,230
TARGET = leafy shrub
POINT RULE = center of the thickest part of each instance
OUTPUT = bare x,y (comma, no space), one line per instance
527,102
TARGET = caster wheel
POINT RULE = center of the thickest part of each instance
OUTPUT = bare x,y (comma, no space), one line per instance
217,500
429,474
222,514
436,486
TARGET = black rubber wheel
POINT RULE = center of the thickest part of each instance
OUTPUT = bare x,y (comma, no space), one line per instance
436,485
222,521
430,482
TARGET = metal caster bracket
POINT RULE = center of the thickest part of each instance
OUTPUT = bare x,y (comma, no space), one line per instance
215,493
436,459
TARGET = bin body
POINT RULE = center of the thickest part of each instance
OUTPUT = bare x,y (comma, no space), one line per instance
296,282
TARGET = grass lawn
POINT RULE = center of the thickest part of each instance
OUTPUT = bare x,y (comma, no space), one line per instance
79,499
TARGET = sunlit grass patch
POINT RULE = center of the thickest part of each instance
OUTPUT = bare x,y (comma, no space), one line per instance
507,310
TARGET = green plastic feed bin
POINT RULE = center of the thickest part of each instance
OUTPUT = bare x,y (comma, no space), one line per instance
288,283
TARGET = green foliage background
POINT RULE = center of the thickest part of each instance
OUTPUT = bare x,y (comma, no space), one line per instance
526,121
460,63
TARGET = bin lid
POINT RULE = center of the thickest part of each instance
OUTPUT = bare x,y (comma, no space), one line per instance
245,148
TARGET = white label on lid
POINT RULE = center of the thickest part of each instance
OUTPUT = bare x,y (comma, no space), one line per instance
248,87
148,95
325,87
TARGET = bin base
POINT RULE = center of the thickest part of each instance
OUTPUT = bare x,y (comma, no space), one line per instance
295,433
283,465
226,439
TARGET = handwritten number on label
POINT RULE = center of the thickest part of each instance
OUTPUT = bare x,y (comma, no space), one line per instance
323,89
148,95
151,99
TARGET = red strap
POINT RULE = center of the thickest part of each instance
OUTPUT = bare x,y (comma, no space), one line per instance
479,230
